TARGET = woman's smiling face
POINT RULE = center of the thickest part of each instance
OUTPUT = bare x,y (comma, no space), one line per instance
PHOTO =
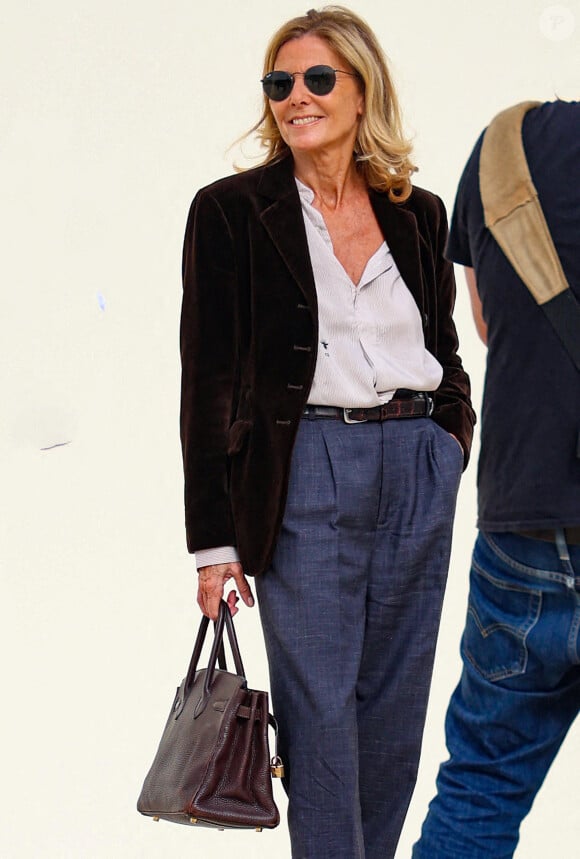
311,123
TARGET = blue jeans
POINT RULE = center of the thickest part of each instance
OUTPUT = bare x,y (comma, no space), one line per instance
350,610
518,695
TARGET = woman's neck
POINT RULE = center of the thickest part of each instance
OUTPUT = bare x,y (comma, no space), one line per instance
333,180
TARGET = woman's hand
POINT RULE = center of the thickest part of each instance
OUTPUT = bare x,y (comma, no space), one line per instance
211,588
457,440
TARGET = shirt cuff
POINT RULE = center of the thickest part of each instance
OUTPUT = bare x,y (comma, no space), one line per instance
219,555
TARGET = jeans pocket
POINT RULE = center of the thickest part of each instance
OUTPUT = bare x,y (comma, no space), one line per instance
500,615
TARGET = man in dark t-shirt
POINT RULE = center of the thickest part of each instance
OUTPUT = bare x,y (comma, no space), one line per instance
520,687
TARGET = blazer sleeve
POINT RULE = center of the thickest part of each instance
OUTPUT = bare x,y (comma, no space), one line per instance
453,410
208,373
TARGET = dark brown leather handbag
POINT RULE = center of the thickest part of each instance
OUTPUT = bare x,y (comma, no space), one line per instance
213,766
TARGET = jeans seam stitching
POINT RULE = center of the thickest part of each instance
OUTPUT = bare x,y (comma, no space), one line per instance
520,633
573,637
535,572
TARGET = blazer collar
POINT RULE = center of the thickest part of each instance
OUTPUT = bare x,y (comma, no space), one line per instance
277,178
282,218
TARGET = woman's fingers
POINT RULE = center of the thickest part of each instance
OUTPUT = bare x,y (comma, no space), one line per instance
232,599
243,585
211,588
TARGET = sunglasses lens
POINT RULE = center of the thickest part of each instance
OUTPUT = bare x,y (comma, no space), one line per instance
320,80
277,85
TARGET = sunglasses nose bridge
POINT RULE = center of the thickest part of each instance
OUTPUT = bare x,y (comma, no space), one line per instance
299,90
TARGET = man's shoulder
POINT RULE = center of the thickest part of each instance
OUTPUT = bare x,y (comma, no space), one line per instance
561,115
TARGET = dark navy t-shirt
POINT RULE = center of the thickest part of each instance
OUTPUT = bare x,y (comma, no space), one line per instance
529,464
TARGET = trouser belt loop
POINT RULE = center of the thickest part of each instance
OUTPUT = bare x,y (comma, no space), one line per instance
564,554
561,545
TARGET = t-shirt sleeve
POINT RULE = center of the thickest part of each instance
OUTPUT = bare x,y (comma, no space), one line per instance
459,248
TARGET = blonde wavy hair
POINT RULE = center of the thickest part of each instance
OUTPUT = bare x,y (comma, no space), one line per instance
382,153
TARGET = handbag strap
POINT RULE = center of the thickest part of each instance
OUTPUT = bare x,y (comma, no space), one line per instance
514,216
224,620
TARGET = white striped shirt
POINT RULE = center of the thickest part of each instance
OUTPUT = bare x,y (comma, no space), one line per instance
370,334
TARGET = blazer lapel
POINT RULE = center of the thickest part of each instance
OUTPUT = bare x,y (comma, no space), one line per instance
399,227
282,218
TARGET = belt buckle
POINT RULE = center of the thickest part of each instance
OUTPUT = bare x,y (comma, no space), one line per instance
347,420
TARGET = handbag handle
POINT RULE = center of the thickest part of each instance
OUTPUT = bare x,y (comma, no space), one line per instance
224,620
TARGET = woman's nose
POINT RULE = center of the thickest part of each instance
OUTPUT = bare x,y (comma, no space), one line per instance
300,92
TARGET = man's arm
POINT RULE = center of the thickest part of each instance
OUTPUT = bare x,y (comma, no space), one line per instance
476,309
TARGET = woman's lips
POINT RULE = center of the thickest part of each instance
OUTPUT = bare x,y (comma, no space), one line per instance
304,120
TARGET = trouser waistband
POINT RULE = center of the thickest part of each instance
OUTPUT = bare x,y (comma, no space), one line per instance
405,404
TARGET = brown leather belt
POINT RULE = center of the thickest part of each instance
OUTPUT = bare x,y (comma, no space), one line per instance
415,404
548,535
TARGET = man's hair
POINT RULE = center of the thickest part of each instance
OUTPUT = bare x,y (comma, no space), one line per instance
382,153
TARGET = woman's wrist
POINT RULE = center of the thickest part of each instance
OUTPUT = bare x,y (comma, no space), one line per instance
216,555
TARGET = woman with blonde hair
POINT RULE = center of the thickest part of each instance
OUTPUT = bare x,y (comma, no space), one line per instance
325,423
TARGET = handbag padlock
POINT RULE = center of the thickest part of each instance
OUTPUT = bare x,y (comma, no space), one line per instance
277,767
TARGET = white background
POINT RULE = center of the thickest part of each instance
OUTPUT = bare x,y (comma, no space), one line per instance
112,114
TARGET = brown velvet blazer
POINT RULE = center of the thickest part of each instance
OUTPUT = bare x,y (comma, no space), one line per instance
249,330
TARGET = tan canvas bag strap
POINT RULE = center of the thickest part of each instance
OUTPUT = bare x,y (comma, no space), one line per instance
514,216
511,207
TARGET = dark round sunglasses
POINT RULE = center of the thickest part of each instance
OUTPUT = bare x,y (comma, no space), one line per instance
320,80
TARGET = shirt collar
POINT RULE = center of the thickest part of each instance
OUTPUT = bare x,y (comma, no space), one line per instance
379,263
